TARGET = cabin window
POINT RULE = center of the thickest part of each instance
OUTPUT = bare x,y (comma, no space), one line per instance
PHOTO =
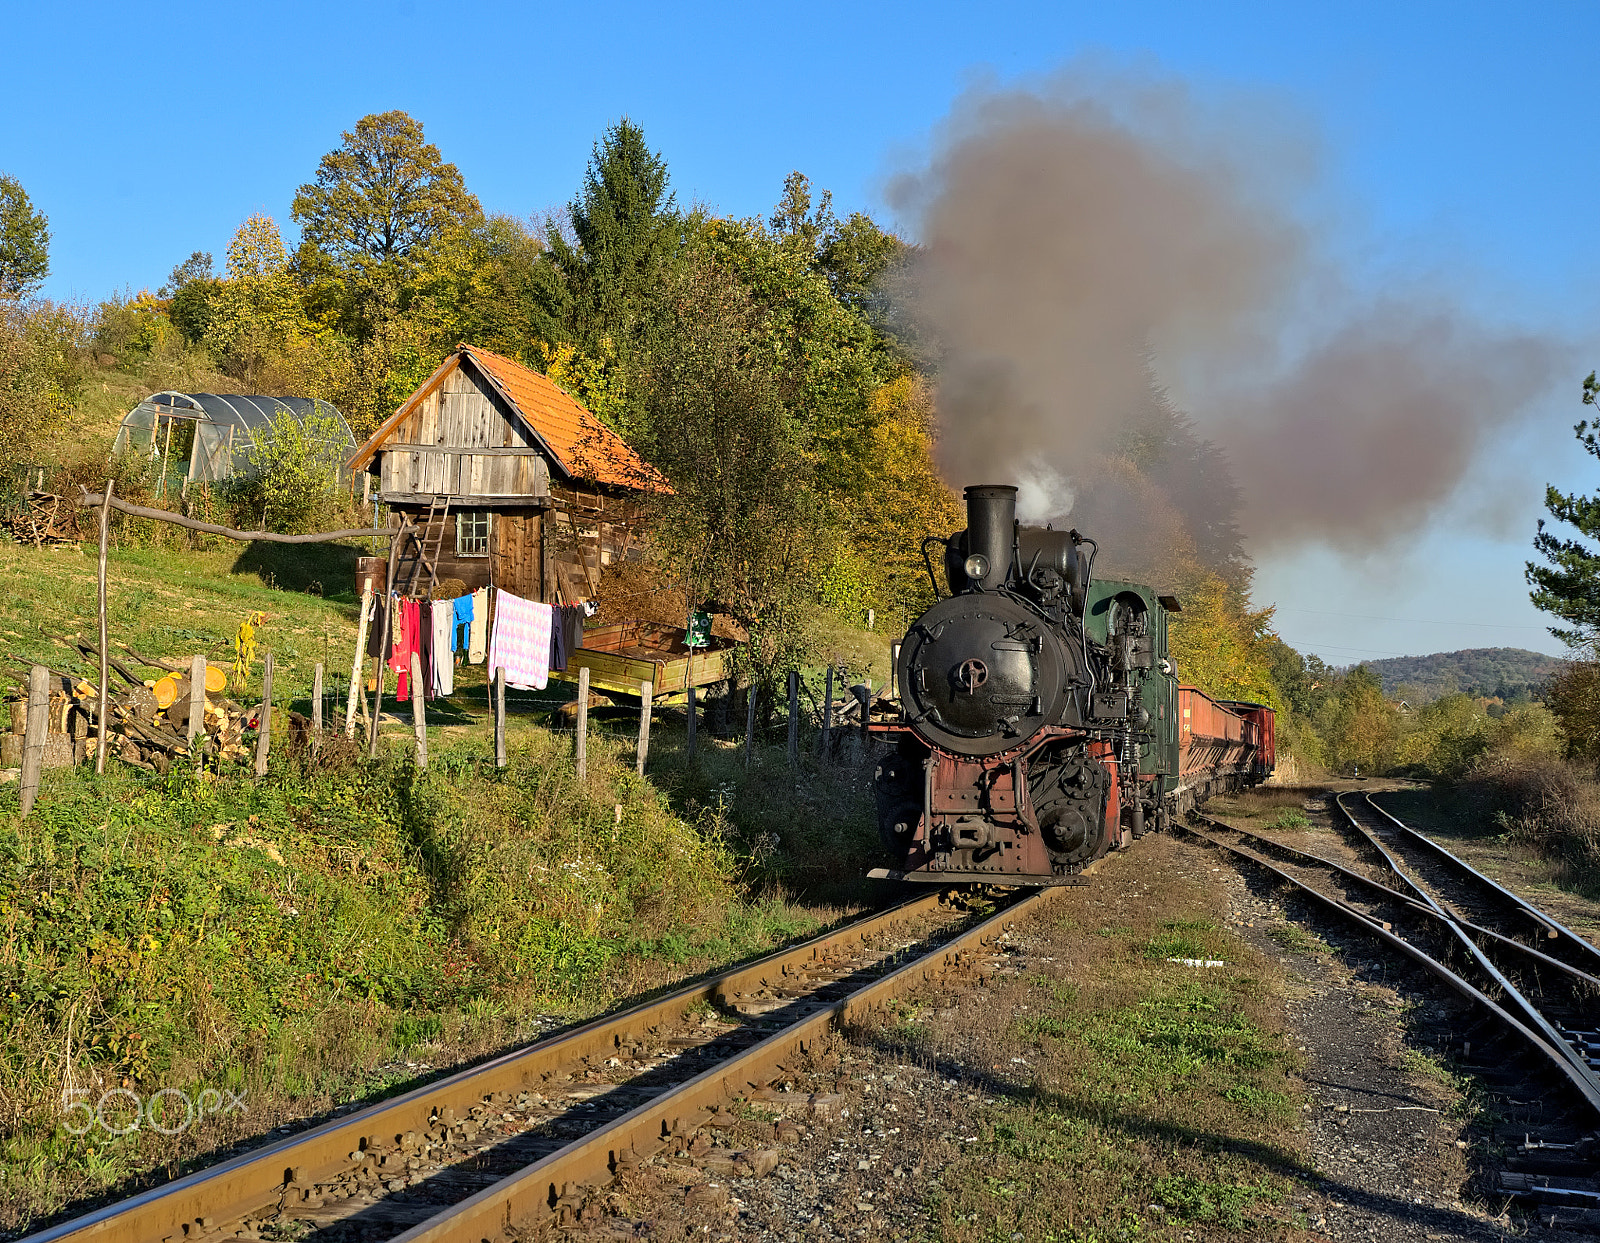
472,533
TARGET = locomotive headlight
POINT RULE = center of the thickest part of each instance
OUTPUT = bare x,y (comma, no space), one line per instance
976,566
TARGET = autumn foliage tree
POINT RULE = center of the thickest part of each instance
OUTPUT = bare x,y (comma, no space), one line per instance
383,195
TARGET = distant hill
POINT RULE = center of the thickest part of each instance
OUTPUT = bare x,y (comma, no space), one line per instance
1506,672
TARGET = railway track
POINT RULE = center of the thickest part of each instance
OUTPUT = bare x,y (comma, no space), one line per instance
531,1137
1534,984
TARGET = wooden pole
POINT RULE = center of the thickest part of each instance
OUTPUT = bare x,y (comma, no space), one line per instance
827,711
93,500
166,462
419,710
316,708
103,704
197,695
582,741
894,671
794,716
692,738
34,734
500,717
864,698
358,662
264,733
749,723
872,618
646,704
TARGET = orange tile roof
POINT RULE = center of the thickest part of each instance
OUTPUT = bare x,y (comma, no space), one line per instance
581,445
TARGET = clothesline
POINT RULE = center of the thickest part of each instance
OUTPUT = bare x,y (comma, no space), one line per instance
528,638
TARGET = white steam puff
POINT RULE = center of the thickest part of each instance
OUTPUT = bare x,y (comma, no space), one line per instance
1044,494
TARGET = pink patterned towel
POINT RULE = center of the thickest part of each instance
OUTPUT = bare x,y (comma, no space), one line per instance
521,641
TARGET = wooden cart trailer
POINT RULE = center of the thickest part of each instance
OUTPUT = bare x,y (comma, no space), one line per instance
621,656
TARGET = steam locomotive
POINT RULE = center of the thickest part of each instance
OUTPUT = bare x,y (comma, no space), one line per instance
1040,721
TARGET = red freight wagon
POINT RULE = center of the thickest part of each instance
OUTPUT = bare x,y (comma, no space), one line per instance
1222,745
1265,757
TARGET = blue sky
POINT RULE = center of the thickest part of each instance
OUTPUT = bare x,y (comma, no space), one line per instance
1455,140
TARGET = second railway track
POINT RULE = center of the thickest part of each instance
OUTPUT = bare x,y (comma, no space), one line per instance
528,1136
1536,981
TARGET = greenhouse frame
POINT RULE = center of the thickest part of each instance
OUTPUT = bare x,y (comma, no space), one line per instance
210,435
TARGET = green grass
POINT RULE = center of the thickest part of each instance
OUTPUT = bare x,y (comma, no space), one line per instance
301,936
1130,1099
1290,818
1297,940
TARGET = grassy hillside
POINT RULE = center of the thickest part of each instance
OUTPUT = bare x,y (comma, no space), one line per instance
1504,672
341,927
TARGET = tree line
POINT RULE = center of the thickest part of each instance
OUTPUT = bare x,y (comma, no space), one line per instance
766,365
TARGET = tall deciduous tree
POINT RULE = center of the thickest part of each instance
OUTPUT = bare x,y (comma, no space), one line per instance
625,227
1569,586
383,194
24,241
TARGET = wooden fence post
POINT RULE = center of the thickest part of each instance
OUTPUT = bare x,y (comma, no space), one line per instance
894,671
749,723
264,733
500,717
103,704
872,618
419,710
197,696
582,741
692,738
794,716
827,711
359,662
316,708
34,734
646,704
864,696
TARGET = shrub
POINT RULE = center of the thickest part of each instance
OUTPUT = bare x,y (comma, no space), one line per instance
41,346
292,485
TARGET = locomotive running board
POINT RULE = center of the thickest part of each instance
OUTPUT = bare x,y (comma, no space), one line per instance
977,878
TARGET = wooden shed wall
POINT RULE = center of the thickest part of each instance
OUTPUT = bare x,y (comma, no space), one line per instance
462,439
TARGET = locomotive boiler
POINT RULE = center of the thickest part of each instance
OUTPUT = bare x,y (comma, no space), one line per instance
1040,722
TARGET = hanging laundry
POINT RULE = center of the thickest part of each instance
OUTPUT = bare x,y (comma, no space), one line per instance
425,610
572,623
520,643
461,626
444,665
405,636
375,626
558,634
480,626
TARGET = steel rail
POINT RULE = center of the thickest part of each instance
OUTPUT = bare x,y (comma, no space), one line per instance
1578,1062
1420,908
1556,1051
536,1190
1570,939
1458,930
252,1180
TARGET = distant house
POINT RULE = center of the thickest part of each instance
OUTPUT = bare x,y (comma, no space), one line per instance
507,481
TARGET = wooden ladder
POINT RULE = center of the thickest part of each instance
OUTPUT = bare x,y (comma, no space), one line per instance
430,537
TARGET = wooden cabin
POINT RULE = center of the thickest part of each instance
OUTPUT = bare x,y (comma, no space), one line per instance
506,481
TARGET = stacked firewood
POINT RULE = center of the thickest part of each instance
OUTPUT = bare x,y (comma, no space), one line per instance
42,524
147,724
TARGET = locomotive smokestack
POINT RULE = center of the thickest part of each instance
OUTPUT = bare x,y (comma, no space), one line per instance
991,530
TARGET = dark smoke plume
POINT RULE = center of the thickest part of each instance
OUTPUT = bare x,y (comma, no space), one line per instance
1076,235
